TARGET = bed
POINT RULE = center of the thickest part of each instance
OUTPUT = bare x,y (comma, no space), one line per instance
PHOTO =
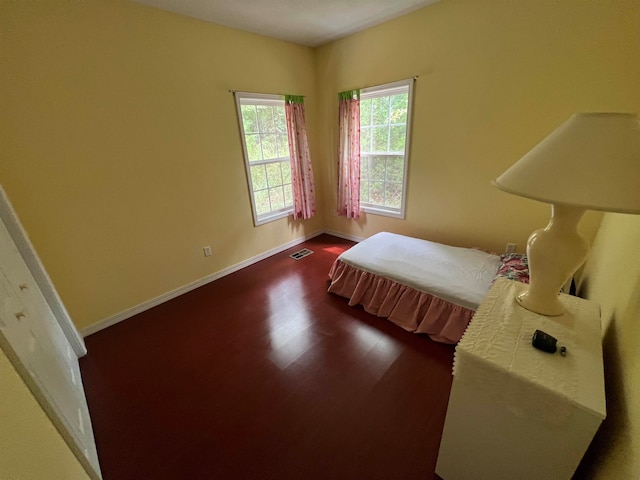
422,286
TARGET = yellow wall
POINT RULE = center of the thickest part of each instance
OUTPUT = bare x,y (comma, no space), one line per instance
612,278
26,430
121,150
495,77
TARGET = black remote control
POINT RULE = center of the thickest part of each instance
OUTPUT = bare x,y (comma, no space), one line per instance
545,342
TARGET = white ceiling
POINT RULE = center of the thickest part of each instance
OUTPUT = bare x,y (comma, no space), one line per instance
306,22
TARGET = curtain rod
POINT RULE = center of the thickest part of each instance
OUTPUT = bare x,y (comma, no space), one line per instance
233,92
414,78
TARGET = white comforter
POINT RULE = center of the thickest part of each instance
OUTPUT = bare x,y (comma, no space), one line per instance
458,275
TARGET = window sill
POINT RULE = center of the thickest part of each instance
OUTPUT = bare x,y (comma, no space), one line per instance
272,216
383,212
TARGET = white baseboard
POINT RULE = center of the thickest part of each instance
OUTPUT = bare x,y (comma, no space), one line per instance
346,236
130,312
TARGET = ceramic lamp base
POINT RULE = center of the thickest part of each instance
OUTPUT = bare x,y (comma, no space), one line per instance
554,254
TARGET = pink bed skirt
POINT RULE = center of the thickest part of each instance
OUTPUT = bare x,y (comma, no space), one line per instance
411,309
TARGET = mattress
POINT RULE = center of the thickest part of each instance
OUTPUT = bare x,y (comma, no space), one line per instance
461,276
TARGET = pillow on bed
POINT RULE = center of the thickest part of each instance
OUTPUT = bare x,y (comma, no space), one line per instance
514,266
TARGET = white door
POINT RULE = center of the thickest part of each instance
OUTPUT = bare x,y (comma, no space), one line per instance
33,339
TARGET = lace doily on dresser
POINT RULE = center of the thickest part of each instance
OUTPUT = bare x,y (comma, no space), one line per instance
495,355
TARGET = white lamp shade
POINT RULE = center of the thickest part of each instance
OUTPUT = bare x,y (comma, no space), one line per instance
591,161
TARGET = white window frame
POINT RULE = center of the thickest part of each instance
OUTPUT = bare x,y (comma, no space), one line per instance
269,100
385,90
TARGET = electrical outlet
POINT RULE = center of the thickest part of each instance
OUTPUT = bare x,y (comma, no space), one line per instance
207,251
511,248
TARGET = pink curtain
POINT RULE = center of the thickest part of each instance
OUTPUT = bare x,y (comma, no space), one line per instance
304,197
349,154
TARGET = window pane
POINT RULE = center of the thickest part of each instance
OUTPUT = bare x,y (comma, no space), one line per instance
364,191
377,193
274,176
397,136
365,112
282,142
380,110
265,119
364,168
262,202
253,147
399,108
365,139
377,171
286,172
269,147
280,119
288,195
258,177
395,169
277,198
249,119
380,138
393,197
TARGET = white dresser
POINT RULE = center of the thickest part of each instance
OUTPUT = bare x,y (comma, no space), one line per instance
516,412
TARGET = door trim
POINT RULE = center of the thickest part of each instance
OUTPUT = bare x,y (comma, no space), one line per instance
30,257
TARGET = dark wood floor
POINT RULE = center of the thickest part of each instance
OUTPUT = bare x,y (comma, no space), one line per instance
264,375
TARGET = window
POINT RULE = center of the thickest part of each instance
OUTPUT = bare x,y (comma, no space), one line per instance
266,152
385,113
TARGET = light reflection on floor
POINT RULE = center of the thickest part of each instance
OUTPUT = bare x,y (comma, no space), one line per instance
289,322
335,250
380,349
292,332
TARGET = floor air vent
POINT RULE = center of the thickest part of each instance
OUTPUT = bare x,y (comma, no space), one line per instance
301,254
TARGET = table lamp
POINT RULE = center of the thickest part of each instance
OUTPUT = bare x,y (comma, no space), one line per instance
590,162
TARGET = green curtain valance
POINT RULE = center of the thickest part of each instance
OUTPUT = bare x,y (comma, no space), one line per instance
293,99
349,95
